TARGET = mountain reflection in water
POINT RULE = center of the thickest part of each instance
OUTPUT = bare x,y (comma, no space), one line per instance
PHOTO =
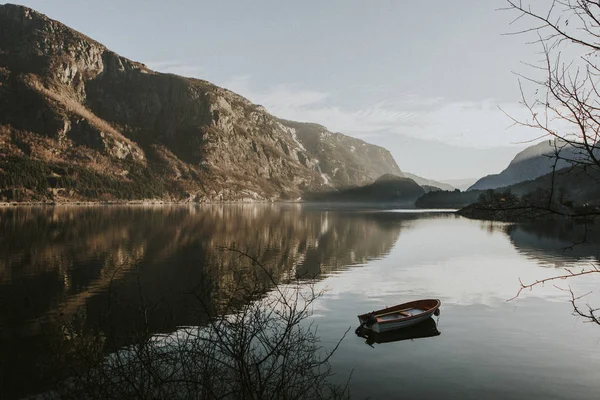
61,263
554,243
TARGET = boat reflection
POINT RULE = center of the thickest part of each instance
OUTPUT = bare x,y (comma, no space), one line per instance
427,328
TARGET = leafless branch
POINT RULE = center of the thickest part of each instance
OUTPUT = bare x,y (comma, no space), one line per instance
570,274
261,345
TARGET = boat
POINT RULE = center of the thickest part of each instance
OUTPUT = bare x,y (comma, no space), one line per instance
425,329
400,316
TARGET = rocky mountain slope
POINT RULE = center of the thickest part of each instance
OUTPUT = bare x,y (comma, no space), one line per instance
531,163
79,122
343,160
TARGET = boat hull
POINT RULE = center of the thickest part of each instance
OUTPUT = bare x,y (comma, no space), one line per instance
377,327
377,322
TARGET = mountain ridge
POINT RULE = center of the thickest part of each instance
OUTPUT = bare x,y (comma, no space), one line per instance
429,182
531,163
87,124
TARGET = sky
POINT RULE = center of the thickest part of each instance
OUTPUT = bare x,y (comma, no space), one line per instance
430,81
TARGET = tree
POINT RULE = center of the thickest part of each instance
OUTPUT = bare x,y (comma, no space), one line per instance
562,95
565,104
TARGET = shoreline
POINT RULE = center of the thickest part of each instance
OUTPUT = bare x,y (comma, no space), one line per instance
332,205
129,203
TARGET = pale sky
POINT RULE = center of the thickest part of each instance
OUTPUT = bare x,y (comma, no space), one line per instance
423,79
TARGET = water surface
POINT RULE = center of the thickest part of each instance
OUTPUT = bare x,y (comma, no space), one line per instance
98,265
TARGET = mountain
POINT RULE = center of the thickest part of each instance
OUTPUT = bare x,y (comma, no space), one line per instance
428,182
568,192
80,122
572,190
387,189
531,163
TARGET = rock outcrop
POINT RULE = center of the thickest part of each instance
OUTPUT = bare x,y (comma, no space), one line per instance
79,122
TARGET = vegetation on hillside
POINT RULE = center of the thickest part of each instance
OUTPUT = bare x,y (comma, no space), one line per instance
447,199
387,189
24,179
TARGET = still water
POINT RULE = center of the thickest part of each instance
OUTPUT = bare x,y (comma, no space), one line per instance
98,264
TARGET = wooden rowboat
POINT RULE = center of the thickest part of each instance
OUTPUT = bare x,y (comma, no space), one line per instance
400,316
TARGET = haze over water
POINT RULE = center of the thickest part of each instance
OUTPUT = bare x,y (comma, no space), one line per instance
63,263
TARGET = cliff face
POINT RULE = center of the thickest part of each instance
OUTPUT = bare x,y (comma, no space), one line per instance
343,160
78,121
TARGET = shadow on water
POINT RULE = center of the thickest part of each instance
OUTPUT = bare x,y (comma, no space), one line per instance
97,267
425,329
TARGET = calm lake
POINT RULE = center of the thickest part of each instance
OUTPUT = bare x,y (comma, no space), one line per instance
65,264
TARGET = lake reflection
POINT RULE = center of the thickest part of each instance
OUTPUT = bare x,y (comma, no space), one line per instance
92,263
61,262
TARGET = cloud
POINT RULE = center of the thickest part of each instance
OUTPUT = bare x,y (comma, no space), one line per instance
481,124
282,97
292,102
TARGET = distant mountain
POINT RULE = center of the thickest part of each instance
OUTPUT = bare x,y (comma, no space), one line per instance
531,163
462,184
387,189
570,191
79,122
428,182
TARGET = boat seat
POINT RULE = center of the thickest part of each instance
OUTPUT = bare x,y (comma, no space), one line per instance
407,312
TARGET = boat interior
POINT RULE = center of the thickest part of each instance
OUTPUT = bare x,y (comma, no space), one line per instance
398,314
